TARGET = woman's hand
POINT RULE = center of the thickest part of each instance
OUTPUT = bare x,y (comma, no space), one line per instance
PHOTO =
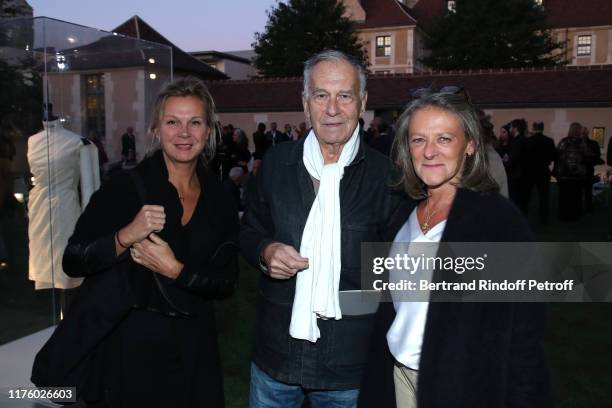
155,254
150,218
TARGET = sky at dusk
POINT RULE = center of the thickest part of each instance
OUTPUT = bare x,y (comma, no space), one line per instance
193,25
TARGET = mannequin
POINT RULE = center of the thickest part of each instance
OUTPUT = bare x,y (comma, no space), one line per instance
58,160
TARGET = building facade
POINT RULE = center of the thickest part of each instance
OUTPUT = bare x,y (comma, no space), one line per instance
555,96
392,30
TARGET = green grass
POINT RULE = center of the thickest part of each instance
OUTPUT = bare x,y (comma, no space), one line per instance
235,321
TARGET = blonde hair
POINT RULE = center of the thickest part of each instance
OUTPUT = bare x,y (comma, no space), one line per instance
183,87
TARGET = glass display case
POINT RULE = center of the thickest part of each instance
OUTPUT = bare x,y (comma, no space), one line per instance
68,95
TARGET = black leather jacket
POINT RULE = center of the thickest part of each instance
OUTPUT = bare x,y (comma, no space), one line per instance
278,210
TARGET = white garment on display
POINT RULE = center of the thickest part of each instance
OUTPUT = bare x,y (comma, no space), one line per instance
90,172
56,157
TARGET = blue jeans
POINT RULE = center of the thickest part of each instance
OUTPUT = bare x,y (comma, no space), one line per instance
266,392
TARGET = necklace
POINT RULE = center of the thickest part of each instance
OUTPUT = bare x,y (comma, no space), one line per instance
425,226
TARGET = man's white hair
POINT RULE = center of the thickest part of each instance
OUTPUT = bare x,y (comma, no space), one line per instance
333,56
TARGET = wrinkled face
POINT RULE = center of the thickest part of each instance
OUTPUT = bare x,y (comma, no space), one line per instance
183,132
437,146
334,104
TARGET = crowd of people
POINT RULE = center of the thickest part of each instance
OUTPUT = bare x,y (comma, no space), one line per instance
522,162
158,243
531,158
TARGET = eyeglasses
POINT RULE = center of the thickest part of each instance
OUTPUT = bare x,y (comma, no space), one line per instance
447,89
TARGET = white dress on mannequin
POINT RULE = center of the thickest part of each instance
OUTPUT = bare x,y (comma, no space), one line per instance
58,161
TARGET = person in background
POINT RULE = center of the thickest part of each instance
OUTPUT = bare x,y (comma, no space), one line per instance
164,351
541,154
380,139
496,165
128,146
301,130
571,172
240,155
516,165
452,354
261,141
288,132
275,136
609,154
592,159
102,156
503,142
233,186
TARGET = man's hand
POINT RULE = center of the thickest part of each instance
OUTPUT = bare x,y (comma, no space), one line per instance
283,261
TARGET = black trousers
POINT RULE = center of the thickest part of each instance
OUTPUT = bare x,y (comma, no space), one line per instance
542,186
519,193
570,199
587,189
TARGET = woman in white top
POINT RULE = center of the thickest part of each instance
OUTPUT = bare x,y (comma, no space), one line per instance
435,354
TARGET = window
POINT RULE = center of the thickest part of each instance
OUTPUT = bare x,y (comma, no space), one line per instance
584,45
94,99
451,5
383,46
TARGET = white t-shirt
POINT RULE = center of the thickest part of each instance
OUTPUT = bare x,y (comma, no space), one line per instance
405,337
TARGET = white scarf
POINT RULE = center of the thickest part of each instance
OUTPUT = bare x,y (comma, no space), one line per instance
316,290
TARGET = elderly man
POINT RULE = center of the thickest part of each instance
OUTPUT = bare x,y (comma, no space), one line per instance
316,201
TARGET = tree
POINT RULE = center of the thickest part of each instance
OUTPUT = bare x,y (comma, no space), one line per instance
492,34
297,29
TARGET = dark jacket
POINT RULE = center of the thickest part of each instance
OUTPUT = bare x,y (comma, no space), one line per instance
541,153
104,327
262,144
128,144
516,167
572,159
276,137
283,196
609,154
473,354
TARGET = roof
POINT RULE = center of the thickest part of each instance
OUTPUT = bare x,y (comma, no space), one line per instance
385,13
219,55
115,51
584,13
182,61
248,54
589,86
425,11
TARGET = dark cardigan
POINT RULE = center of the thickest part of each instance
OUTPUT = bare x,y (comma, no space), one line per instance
473,354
